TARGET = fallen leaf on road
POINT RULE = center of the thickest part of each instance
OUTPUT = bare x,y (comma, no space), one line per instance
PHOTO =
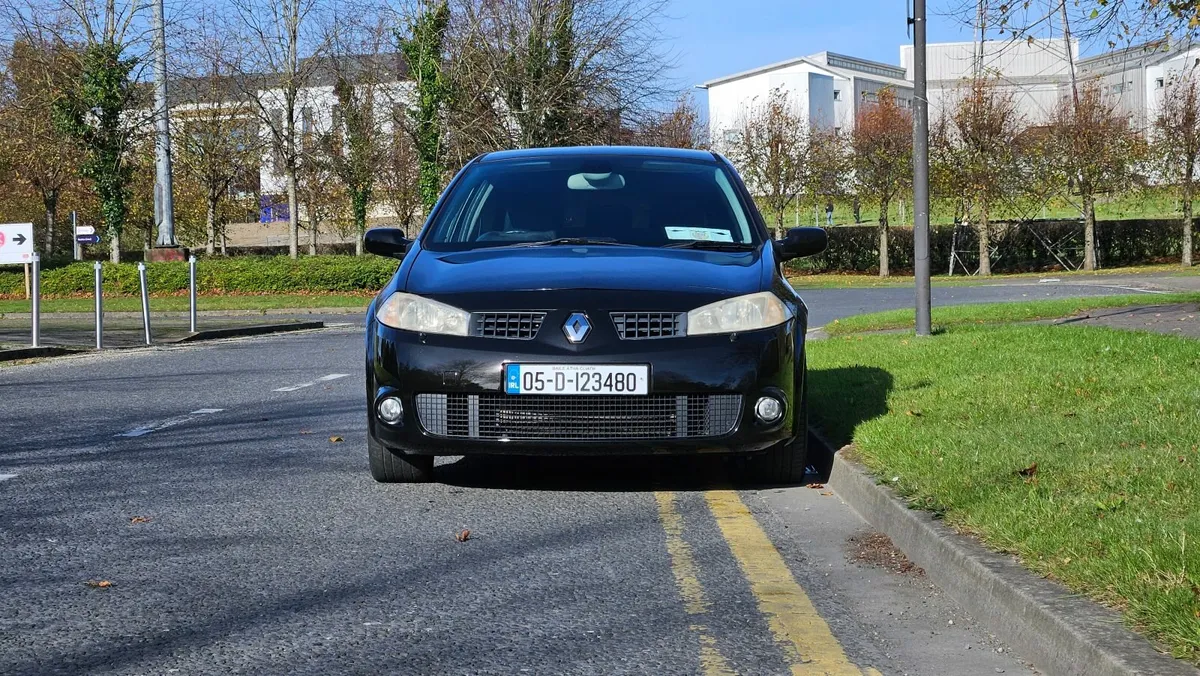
815,486
305,431
826,492
140,519
1028,471
463,535
99,584
335,440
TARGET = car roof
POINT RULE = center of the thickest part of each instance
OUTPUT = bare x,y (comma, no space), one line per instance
600,151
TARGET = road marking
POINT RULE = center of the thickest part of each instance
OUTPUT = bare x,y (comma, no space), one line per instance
6,477
170,422
322,379
793,619
683,566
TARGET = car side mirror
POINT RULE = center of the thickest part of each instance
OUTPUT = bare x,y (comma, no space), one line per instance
801,242
389,242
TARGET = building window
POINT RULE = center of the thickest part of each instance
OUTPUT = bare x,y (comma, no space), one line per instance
837,95
1158,83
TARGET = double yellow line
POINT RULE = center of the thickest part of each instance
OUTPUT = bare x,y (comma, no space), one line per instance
807,642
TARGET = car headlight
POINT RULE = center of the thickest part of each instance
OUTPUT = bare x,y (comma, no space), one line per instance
414,313
744,313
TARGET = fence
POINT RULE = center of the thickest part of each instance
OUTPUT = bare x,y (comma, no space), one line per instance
1028,246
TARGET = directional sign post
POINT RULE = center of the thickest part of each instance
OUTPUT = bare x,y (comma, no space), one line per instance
87,239
16,243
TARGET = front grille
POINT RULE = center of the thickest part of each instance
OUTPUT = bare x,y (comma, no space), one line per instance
512,325
645,325
587,417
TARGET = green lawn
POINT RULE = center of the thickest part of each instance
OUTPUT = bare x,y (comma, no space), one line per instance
852,281
1075,448
999,313
180,303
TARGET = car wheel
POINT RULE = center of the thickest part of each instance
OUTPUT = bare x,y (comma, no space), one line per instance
389,466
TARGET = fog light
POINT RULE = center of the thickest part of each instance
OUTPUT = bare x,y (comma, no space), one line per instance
390,410
768,409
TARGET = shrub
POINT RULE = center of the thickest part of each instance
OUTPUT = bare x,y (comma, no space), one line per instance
245,275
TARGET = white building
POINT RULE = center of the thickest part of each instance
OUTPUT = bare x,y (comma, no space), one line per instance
1136,77
827,90
1034,72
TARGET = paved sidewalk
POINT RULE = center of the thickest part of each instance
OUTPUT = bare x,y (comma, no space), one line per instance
1182,319
122,330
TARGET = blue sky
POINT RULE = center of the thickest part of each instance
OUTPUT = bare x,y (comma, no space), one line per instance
718,37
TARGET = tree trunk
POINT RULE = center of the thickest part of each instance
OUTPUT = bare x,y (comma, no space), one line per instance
358,244
1089,232
883,239
293,215
51,205
1187,222
360,224
779,223
223,241
211,222
114,253
312,232
985,252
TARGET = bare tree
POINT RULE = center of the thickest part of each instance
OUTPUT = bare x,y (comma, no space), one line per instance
216,139
398,173
882,150
1100,150
680,127
978,154
557,72
1176,145
280,39
770,152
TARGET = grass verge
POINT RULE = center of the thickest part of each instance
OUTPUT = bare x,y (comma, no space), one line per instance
180,303
1075,448
1000,313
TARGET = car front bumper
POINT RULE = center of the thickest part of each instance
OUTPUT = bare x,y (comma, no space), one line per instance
716,380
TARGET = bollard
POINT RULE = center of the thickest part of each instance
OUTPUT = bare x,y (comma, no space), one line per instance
192,289
145,300
36,296
99,305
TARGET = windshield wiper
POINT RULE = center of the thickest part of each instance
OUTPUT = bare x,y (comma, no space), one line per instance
574,241
709,244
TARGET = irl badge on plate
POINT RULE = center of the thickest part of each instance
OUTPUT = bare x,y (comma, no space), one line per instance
512,379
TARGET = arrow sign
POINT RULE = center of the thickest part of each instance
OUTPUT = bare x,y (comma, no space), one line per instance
85,230
16,243
87,239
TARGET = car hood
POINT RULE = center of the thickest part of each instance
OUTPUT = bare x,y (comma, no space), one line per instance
564,268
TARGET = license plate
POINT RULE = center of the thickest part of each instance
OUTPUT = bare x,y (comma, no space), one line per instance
576,379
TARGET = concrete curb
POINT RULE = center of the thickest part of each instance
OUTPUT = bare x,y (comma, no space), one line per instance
202,313
258,329
35,352
1058,632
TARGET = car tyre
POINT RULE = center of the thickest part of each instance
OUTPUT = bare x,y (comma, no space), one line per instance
389,466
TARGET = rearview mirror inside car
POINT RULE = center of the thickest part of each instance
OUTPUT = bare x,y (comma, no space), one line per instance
801,242
386,242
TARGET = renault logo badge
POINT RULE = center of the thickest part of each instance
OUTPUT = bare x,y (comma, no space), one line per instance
577,327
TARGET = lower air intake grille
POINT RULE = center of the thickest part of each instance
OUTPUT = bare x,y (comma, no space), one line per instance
588,417
512,325
646,325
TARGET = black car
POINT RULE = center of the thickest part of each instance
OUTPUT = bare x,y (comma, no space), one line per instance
589,301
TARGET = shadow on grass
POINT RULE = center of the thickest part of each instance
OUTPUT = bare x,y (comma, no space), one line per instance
841,399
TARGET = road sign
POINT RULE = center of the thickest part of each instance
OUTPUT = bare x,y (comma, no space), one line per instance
85,230
87,239
16,243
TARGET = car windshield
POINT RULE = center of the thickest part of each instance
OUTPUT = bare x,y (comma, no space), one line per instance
635,201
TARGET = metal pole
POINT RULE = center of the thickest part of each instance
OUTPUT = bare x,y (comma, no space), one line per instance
145,300
164,208
192,290
99,305
75,249
36,307
920,171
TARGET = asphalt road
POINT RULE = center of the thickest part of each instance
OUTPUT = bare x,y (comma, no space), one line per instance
207,509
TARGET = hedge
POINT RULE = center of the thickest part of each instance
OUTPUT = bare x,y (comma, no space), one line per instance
244,275
1017,247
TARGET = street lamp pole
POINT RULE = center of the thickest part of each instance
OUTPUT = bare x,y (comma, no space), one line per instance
920,171
164,208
